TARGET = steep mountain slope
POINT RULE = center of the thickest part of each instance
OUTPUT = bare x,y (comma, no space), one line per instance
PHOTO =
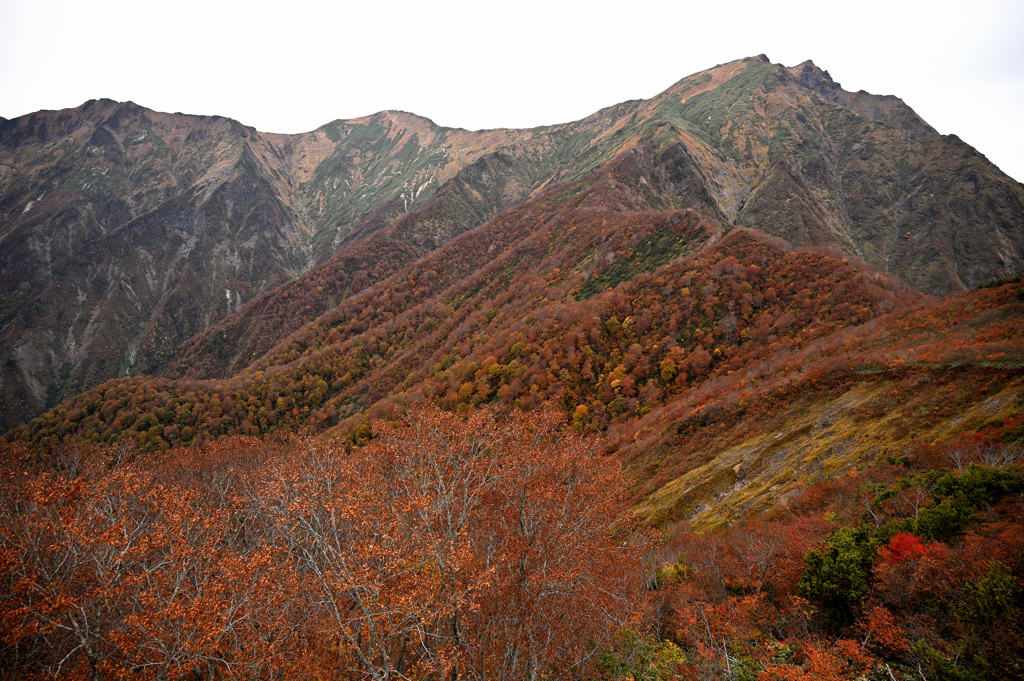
124,232
562,305
182,218
945,373
725,366
789,152
636,180
116,219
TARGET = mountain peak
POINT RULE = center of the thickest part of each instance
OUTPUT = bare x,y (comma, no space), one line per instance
813,77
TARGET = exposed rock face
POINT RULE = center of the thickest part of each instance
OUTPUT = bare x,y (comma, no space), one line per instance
787,151
125,232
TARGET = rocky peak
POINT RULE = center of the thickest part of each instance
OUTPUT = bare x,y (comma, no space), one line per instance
810,76
47,126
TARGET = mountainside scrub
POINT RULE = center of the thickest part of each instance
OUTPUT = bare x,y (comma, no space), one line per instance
448,547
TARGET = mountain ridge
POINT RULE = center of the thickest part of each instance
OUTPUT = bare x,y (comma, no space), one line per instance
186,218
328,404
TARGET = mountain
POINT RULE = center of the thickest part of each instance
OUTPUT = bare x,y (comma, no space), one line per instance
726,367
728,383
139,242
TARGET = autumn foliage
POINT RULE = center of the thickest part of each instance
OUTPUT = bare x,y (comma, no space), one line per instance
898,571
509,336
178,527
448,547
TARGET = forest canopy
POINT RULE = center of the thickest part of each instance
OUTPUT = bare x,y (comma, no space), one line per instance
447,547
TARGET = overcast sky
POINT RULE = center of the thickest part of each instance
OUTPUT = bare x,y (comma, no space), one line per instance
292,66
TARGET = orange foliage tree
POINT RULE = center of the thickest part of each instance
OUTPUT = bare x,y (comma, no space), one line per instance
478,547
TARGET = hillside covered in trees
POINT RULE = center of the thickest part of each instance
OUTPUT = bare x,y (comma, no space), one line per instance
125,232
722,384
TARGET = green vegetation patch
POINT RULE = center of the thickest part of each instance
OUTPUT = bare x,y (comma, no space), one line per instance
659,248
1019,279
732,99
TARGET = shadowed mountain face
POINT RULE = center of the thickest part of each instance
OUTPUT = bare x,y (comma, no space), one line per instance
134,242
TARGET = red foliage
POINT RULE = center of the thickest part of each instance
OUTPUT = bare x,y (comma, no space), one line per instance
903,546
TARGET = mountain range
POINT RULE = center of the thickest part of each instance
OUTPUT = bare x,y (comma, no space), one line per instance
619,265
727,383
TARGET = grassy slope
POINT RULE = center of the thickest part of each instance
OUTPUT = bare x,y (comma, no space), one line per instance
949,369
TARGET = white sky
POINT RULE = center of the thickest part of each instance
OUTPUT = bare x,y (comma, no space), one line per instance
290,67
